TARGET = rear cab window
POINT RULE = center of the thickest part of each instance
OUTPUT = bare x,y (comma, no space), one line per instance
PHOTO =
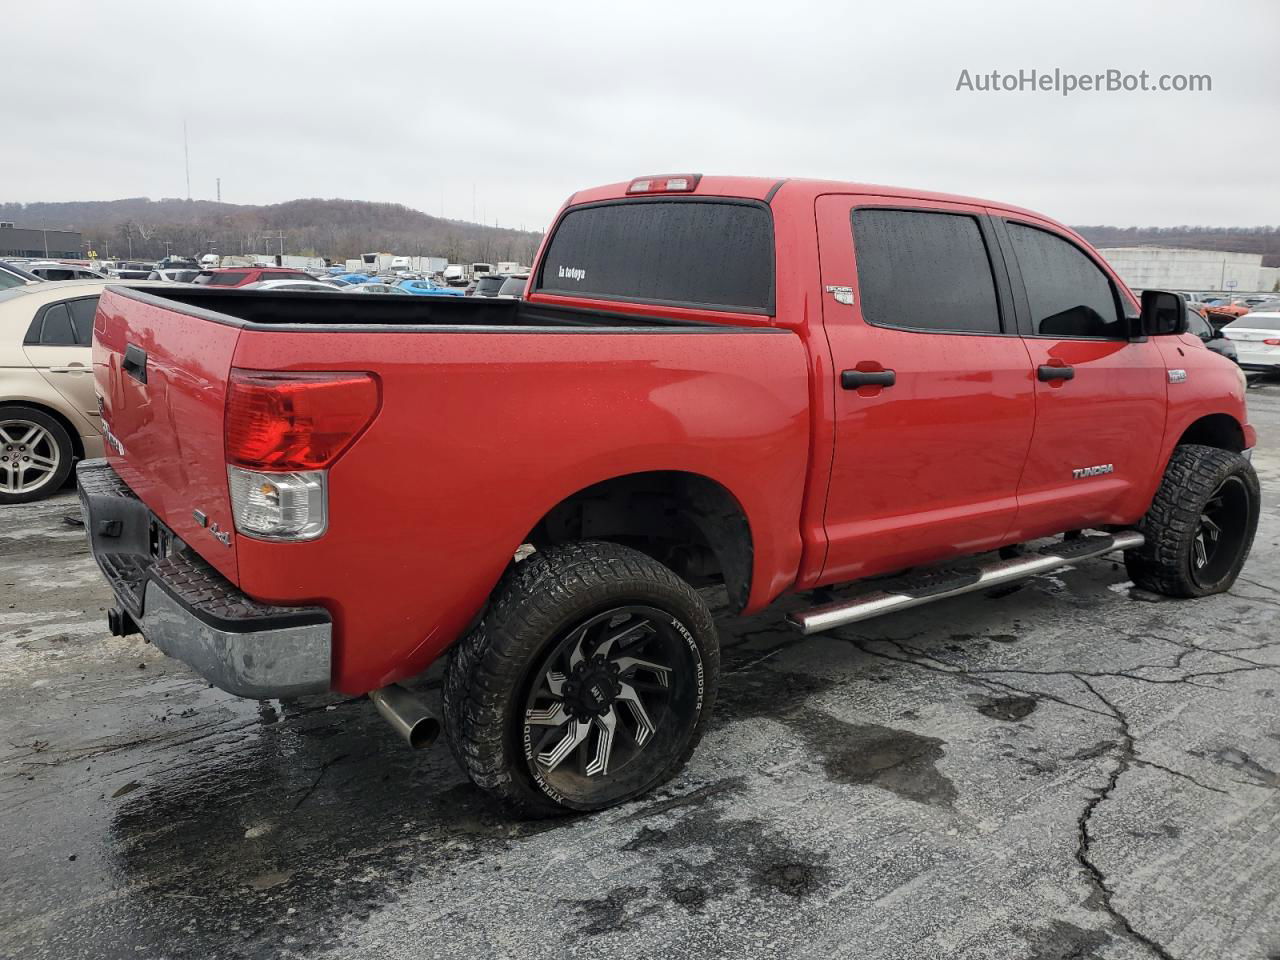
704,253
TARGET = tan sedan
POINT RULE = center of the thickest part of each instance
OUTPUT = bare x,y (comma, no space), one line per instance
48,411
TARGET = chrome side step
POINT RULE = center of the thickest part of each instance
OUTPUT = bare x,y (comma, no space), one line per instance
939,585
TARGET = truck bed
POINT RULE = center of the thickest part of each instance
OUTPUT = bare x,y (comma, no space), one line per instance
371,312
491,412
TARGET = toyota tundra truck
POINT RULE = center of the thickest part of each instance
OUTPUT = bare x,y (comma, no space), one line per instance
759,387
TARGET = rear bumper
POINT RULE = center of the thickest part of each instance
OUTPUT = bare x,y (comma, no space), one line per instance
189,610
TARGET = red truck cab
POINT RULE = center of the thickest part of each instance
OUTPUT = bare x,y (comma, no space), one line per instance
774,385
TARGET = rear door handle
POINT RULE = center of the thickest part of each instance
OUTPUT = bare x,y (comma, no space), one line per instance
135,363
1048,371
853,379
71,368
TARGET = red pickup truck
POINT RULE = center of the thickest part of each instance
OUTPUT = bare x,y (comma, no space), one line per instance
774,386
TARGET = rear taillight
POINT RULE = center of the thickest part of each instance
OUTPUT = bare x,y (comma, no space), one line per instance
283,431
1272,342
296,421
680,183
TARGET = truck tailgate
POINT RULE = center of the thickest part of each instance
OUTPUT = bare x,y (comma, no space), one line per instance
161,377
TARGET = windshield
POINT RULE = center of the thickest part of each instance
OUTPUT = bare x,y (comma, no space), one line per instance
512,286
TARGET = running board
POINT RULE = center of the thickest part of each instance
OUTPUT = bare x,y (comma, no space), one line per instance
951,582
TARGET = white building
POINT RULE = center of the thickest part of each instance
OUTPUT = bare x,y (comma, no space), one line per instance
1179,268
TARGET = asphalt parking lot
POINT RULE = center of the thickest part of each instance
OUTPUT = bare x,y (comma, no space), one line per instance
1063,769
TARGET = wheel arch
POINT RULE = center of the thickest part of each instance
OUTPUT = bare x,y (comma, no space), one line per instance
1220,430
688,521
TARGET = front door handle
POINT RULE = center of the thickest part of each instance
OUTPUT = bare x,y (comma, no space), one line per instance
853,379
1050,371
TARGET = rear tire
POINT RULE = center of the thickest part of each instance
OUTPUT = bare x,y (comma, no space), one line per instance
1200,526
588,682
36,454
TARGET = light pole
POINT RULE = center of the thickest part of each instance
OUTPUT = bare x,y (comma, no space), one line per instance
278,235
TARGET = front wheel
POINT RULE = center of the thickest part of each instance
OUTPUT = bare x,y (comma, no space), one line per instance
588,682
1200,526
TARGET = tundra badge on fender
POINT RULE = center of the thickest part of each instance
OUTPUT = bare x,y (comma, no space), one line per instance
1081,472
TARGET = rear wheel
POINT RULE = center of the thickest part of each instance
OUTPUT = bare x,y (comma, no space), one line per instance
1200,525
588,682
35,454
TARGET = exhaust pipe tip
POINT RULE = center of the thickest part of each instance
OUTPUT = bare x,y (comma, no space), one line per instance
409,717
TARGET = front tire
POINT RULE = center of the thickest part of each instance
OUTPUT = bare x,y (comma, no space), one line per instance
588,682
1200,526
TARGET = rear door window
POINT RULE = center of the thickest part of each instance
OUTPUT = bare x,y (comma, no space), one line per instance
82,312
57,330
711,254
1068,294
924,270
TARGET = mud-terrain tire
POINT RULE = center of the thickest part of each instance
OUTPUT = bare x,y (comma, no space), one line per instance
600,635
1200,525
36,454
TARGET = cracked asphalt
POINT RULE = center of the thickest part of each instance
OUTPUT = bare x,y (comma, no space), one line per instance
1062,769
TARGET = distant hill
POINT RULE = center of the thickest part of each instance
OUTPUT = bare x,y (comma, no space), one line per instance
1263,240
328,228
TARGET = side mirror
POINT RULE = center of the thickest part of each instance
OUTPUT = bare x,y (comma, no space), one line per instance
1163,314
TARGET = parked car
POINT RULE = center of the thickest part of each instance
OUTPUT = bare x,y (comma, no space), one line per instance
243,276
12,275
374,287
488,285
129,270
297,286
353,279
1221,314
513,287
1212,338
48,413
175,274
1257,340
541,485
53,270
429,288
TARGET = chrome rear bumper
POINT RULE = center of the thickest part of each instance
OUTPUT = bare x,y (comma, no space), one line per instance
189,610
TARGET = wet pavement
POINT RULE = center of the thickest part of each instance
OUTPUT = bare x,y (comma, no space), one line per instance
1059,769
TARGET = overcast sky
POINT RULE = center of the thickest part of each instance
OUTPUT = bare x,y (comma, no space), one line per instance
420,103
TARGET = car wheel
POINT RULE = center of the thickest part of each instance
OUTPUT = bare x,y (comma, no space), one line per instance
1200,526
36,454
588,682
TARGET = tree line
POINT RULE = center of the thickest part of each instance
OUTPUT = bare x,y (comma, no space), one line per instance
339,229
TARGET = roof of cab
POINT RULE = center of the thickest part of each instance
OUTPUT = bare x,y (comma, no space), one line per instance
773,189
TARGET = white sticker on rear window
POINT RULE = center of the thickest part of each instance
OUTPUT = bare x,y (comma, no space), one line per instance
572,273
